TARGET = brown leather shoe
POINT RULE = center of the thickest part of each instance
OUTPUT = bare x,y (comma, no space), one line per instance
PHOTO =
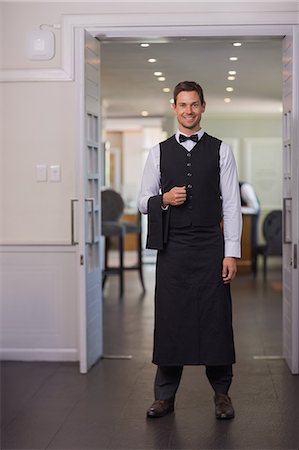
223,407
160,408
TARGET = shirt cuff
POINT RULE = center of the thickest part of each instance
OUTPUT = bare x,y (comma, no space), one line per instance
232,249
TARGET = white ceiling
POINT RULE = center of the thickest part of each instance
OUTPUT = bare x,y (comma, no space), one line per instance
129,85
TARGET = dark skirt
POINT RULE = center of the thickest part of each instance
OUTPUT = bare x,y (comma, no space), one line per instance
193,311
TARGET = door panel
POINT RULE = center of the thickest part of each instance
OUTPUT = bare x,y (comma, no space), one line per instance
90,301
290,201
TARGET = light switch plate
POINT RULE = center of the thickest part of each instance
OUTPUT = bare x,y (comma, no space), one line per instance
41,172
55,173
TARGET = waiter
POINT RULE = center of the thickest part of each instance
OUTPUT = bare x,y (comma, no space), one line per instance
190,191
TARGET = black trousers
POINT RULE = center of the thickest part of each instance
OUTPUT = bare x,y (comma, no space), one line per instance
168,378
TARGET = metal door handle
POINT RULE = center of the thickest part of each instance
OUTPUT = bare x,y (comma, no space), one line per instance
73,201
91,201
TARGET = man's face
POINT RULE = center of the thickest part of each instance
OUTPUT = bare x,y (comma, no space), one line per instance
188,110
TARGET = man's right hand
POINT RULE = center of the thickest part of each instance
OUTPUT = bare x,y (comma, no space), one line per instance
175,197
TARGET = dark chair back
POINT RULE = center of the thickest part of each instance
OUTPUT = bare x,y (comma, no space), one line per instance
112,206
272,231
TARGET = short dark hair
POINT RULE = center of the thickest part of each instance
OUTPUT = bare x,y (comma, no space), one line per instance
188,86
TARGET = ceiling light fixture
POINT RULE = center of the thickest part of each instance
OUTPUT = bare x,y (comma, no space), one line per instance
231,78
144,45
233,58
152,60
144,113
232,72
227,100
158,74
229,89
166,89
237,44
161,78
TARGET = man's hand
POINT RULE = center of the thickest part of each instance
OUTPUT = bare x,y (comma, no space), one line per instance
229,269
175,197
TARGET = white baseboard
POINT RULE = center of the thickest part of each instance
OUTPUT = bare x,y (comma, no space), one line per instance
39,354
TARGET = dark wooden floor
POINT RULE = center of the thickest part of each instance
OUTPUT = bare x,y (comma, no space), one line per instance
52,406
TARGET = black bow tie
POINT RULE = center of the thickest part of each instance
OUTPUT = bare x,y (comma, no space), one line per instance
193,137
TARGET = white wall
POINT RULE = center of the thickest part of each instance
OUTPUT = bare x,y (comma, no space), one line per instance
39,129
1,119
38,317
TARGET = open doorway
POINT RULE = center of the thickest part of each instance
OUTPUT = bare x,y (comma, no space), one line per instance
290,102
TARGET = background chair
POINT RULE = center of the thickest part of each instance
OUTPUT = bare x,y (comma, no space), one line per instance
114,227
272,232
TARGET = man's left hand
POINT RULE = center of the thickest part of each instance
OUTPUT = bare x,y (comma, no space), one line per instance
229,269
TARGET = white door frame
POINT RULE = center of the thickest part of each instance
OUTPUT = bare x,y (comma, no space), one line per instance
235,31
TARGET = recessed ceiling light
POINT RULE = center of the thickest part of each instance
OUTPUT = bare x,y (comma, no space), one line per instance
152,60
229,89
237,44
144,45
166,90
233,58
144,113
171,100
232,72
161,78
231,78
158,74
227,100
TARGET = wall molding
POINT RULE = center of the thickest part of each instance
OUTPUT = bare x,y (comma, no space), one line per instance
212,23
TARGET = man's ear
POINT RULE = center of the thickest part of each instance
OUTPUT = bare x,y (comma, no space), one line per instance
203,107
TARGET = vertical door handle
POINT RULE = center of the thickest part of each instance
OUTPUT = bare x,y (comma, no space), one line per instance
295,259
91,201
73,201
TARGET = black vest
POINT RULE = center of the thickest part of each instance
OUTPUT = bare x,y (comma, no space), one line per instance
199,171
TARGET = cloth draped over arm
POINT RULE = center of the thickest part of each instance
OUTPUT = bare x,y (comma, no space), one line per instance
157,224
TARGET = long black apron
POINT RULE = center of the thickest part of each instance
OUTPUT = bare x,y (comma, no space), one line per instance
193,312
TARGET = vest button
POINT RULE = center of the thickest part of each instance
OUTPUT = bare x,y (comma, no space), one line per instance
190,207
189,186
189,155
188,164
189,174
190,197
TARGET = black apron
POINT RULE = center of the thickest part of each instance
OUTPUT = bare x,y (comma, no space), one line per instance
193,311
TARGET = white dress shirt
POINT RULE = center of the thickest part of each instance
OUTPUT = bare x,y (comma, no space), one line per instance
229,186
